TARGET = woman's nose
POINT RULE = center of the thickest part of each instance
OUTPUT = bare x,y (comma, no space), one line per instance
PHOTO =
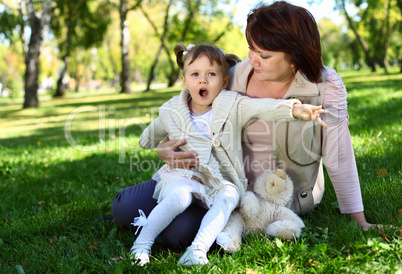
253,58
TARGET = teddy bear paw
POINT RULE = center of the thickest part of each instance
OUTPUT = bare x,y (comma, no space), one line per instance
287,234
233,247
286,230
229,244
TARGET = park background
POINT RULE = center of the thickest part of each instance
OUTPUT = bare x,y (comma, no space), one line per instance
81,79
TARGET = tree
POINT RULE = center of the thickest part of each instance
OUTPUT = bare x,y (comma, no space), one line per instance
39,26
77,24
197,14
11,67
124,7
372,26
162,40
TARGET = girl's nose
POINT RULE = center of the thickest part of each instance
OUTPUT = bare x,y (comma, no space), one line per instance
203,80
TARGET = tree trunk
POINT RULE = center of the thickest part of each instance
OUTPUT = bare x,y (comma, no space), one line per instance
369,60
77,83
113,63
32,67
152,71
60,87
162,46
125,39
173,77
38,29
175,73
387,35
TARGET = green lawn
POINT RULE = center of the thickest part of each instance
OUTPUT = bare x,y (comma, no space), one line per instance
62,164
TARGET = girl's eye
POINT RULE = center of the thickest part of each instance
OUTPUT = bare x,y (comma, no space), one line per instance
212,74
194,74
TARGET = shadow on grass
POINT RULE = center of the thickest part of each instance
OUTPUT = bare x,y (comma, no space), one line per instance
67,193
51,127
56,137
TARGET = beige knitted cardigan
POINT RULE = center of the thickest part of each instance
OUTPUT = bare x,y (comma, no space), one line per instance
220,152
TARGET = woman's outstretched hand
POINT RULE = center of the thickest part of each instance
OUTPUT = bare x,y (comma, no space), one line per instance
362,223
167,152
309,112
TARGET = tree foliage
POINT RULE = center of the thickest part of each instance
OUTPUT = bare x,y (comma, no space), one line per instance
373,25
78,24
133,42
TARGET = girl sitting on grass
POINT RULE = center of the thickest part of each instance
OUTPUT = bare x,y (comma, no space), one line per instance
211,119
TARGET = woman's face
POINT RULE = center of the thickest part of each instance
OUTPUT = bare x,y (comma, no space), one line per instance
270,65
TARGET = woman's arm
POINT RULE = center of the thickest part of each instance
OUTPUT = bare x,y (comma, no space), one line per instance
168,152
338,152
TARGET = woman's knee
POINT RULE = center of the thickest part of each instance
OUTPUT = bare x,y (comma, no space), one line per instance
182,230
126,203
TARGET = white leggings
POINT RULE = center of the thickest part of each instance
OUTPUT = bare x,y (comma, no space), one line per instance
176,202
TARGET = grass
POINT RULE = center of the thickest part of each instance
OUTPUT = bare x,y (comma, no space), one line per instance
51,190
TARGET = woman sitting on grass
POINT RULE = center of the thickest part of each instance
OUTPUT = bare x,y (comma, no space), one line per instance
211,119
284,62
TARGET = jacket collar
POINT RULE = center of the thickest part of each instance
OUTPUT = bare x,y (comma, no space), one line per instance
239,76
221,106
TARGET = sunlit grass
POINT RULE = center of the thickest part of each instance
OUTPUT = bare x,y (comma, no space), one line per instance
55,180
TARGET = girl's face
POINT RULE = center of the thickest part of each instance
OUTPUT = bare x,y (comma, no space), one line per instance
270,65
204,81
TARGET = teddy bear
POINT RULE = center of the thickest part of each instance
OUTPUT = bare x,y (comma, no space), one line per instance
265,209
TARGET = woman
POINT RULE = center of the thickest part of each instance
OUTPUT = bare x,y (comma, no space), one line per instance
284,61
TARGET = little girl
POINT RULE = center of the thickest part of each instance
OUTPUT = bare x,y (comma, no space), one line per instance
211,119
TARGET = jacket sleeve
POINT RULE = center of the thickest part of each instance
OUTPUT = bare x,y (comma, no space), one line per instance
267,109
153,134
337,147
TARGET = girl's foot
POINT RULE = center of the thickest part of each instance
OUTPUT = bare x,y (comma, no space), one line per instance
193,256
140,254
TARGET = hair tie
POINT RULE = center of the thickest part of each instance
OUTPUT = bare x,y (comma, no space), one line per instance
189,47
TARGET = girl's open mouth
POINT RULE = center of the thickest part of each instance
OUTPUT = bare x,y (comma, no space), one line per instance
203,92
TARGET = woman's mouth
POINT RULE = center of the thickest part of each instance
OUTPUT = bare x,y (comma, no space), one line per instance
257,71
203,93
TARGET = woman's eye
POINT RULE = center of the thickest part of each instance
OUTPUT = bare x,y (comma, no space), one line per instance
265,56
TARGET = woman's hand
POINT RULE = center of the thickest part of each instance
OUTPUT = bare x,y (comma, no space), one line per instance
309,112
361,221
166,151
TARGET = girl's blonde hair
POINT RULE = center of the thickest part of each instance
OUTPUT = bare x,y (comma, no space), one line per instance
215,54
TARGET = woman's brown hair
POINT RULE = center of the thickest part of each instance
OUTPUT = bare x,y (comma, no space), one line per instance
289,29
214,54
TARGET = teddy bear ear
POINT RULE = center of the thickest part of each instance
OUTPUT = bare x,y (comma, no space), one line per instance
280,173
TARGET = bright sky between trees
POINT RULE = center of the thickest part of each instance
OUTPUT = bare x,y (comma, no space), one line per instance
324,9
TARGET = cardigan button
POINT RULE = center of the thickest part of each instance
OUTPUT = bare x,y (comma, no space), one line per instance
303,194
216,143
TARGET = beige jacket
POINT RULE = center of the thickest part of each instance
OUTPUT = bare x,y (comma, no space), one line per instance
297,146
220,152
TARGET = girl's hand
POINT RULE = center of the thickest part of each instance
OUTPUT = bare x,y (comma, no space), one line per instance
166,151
309,112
